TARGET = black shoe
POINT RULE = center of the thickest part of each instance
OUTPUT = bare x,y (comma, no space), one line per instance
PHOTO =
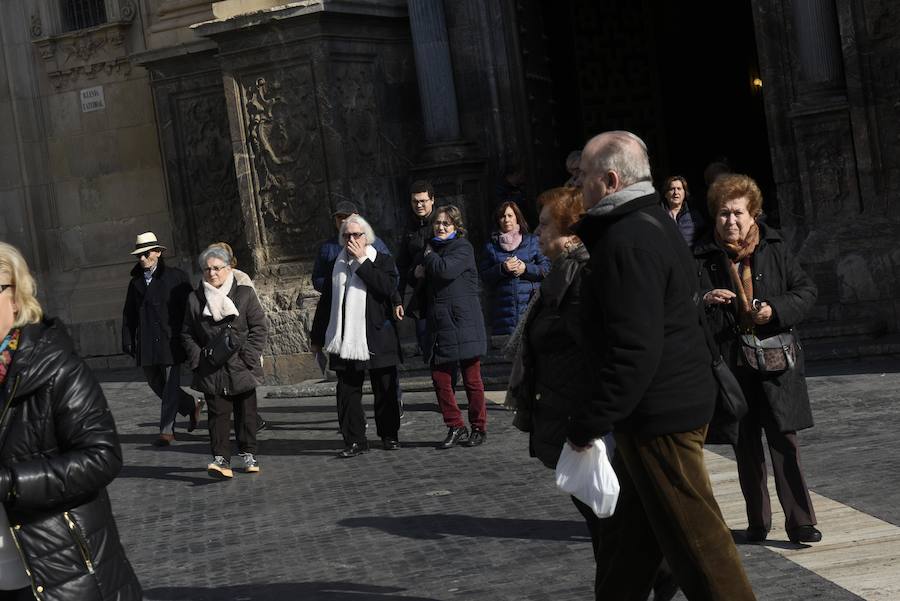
389,443
755,534
261,424
804,534
353,450
455,435
476,438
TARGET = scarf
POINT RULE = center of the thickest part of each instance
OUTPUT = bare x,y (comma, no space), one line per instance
218,304
439,242
741,252
617,199
510,241
7,348
346,333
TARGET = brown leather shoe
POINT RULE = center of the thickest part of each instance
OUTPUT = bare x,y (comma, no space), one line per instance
164,440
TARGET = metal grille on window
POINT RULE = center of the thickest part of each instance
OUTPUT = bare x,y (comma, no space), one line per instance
81,14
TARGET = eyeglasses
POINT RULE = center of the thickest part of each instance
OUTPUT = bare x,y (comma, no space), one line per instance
354,235
3,287
443,224
214,268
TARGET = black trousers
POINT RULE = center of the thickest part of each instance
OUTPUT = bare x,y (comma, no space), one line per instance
219,408
23,594
352,418
790,484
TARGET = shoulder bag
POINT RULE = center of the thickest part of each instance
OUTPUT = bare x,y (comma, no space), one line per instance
770,356
221,346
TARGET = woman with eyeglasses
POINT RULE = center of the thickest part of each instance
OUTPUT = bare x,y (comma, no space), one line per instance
455,326
224,335
58,452
354,325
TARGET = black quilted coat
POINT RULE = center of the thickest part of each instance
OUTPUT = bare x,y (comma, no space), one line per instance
59,444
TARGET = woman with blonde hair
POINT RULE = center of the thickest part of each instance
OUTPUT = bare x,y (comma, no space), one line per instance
58,451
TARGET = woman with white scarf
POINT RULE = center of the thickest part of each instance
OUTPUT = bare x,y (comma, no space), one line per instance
228,381
353,324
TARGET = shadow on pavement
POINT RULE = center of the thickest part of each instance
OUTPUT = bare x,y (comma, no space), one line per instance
164,472
436,526
306,591
187,443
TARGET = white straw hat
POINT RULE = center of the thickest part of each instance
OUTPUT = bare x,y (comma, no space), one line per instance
146,241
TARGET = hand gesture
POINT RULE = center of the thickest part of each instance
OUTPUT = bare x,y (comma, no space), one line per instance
419,271
762,314
719,296
356,248
398,313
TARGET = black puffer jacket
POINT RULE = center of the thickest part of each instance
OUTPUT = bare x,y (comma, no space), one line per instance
243,371
59,443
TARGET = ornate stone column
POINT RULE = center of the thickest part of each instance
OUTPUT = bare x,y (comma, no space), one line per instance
818,42
437,92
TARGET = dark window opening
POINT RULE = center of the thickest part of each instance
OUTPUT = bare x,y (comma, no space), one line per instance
81,14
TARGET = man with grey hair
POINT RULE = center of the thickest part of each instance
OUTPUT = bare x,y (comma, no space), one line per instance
653,385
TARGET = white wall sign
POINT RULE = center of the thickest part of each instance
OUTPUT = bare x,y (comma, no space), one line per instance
92,99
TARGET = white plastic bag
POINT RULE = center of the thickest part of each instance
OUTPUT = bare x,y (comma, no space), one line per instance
589,477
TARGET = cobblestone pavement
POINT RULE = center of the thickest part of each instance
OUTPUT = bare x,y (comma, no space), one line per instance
421,524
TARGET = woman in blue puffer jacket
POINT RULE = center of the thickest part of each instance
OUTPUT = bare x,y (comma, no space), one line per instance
512,267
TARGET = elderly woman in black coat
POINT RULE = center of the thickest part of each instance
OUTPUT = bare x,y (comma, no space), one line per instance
353,324
224,334
455,325
58,452
756,288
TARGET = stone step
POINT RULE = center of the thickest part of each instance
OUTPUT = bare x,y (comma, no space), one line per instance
851,347
816,330
317,388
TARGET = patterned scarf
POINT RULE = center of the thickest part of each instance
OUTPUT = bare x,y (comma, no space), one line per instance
741,252
7,348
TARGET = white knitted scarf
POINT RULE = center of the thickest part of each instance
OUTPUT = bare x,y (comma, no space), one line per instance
346,334
218,305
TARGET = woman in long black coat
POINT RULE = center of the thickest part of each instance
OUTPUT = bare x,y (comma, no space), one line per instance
58,452
353,324
754,284
455,326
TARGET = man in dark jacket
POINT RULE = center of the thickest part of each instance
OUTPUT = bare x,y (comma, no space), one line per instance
651,384
412,250
151,326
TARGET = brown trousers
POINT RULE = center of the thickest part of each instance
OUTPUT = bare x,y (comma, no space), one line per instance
666,509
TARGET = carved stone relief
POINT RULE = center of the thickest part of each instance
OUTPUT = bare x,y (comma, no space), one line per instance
72,57
285,146
828,172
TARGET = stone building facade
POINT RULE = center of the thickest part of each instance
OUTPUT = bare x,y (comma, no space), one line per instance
248,120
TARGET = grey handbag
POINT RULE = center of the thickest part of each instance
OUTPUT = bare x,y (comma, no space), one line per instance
772,355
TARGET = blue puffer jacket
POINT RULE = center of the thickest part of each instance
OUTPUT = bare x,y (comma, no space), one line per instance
511,294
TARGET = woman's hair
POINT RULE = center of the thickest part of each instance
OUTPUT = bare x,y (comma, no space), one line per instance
730,186
573,160
358,220
227,248
453,214
13,264
679,178
564,205
214,251
523,225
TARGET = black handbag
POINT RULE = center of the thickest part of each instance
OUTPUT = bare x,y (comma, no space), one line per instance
771,356
221,346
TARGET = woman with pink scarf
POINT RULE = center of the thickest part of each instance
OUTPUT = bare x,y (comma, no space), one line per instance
512,266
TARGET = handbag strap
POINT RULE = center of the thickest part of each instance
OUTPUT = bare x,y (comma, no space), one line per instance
701,312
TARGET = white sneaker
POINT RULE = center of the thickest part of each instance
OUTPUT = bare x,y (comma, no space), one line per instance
220,467
251,465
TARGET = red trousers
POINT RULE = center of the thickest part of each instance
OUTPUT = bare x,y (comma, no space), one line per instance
442,377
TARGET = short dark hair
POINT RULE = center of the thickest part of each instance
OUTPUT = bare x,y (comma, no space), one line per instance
679,178
421,185
501,209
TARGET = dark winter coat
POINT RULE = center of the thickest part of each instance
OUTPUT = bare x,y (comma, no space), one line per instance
778,280
243,370
510,294
380,277
59,441
690,221
453,304
412,250
650,366
153,316
554,356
